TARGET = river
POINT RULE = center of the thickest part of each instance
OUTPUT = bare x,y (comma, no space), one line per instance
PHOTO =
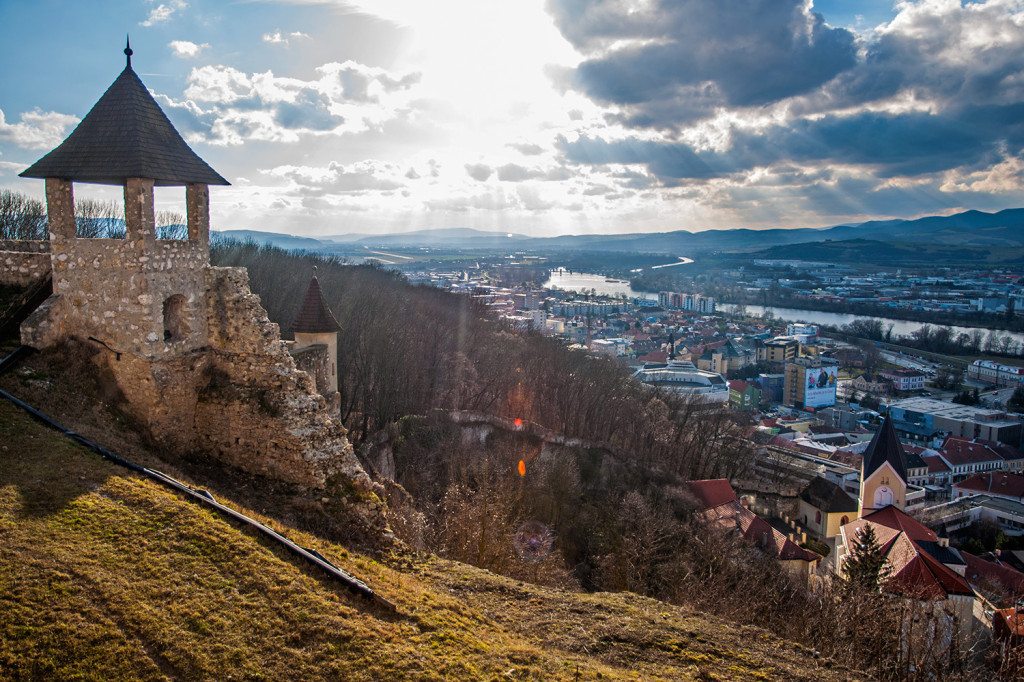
609,286
585,281
899,327
561,278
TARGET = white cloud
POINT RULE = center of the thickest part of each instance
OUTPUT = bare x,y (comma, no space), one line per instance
36,129
279,37
162,13
186,49
227,106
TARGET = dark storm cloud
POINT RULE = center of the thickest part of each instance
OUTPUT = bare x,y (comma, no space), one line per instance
670,62
664,65
893,144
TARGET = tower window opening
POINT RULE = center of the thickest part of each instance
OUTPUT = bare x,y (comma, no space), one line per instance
175,326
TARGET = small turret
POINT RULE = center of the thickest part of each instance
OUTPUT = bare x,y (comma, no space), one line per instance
315,324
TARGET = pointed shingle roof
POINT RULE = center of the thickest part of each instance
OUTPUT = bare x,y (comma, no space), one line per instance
885,447
125,135
314,316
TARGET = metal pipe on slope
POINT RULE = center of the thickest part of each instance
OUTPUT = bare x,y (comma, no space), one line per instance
352,583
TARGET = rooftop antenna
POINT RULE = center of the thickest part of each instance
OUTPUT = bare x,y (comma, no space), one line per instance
128,52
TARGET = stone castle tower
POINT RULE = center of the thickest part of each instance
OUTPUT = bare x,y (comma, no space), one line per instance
200,365
883,479
140,294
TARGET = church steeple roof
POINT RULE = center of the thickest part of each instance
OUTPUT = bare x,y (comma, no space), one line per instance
125,135
314,316
885,447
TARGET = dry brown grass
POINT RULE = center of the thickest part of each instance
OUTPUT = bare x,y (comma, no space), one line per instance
105,575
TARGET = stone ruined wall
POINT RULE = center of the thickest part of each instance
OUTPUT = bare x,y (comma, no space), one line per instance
244,402
22,268
26,245
315,361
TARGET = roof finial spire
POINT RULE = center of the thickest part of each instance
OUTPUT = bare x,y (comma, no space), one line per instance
128,50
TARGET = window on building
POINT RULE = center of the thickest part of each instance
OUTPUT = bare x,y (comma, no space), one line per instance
175,312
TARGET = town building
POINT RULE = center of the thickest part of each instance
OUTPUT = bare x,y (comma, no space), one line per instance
671,300
728,357
904,380
684,378
926,572
824,507
744,395
772,386
925,419
884,480
777,352
717,502
966,457
989,372
803,333
810,383
995,484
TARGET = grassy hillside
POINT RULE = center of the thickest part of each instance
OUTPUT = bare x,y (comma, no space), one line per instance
104,575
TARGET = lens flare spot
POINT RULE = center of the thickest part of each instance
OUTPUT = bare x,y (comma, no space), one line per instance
522,467
518,422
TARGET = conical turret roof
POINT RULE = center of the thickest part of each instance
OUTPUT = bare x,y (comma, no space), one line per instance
125,135
314,316
885,447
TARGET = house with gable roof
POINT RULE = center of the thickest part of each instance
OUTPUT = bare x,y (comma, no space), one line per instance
717,502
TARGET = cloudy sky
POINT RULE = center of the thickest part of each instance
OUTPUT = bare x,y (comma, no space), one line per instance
546,116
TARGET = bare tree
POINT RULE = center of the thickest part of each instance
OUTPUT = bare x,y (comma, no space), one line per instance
21,216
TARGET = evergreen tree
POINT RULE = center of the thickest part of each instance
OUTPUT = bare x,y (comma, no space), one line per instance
1016,401
865,569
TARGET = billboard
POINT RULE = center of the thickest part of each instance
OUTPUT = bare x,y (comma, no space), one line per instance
820,386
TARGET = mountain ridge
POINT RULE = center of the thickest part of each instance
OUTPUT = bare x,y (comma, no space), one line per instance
972,227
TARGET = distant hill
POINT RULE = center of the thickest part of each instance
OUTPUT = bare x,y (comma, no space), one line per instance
879,252
970,228
278,239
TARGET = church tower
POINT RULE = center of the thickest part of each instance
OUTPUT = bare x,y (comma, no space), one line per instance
138,294
883,477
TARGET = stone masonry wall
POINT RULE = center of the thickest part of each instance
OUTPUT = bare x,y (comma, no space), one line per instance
243,400
22,268
314,361
29,245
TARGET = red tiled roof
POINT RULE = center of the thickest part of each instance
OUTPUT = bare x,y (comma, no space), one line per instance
958,451
935,464
738,385
758,532
894,518
654,356
996,482
918,574
915,572
712,492
1013,620
1007,452
989,574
